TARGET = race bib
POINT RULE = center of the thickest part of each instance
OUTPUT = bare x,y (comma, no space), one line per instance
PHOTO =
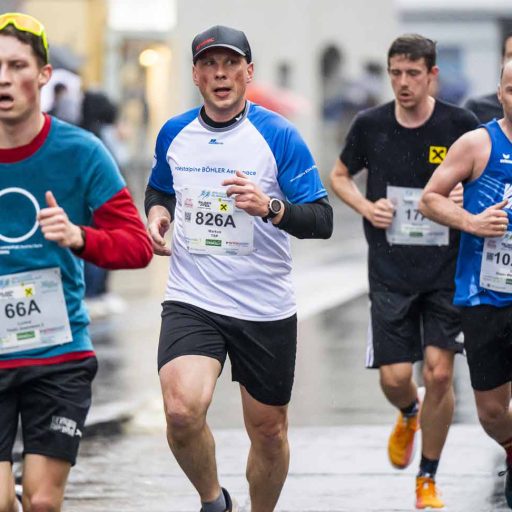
214,225
496,268
33,311
409,226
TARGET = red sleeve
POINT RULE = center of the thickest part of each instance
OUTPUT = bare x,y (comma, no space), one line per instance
118,238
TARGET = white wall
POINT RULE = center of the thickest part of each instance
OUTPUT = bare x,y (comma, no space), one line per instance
480,42
295,31
473,25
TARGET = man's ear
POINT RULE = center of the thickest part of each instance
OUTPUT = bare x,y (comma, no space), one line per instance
195,79
250,73
434,71
45,73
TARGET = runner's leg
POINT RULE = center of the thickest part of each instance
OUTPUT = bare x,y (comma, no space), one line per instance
7,495
269,455
44,482
438,405
494,412
187,385
397,384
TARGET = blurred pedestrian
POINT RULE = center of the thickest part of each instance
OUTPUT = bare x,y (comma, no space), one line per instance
98,113
236,179
411,260
62,103
481,159
488,107
56,178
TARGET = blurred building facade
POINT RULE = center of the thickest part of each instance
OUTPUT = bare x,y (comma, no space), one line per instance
469,34
291,42
138,51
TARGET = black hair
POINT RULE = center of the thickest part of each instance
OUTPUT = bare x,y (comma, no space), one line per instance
414,47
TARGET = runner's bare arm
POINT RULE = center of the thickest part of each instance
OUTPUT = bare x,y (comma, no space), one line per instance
379,213
462,163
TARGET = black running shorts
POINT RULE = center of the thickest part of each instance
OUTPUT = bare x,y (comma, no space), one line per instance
403,324
488,343
262,354
53,401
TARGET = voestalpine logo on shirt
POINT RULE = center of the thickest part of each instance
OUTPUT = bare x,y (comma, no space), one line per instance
506,159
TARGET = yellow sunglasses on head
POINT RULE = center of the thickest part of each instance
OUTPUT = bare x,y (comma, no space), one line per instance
25,23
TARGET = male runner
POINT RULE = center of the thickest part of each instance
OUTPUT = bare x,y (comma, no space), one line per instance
236,179
411,260
488,107
54,180
482,160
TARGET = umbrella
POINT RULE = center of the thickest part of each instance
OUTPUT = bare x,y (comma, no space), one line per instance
280,100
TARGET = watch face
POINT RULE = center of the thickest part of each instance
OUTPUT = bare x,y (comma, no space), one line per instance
275,206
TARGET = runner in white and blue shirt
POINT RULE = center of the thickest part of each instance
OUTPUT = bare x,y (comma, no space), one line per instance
237,180
268,150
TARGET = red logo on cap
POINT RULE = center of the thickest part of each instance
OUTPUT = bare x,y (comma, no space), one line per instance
204,43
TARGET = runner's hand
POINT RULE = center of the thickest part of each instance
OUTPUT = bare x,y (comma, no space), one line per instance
248,196
57,227
381,213
457,195
491,222
156,230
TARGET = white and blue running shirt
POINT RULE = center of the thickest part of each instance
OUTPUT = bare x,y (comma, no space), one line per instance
270,151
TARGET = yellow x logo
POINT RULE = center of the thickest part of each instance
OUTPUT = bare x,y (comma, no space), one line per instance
436,154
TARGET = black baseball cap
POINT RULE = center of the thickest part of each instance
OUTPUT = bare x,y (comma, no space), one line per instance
224,37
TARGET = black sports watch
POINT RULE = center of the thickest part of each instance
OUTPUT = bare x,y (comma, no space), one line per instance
274,209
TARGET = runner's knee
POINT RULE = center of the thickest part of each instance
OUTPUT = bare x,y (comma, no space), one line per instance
183,416
438,380
491,413
269,436
41,502
395,381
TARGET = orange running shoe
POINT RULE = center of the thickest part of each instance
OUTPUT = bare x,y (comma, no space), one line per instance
427,496
401,444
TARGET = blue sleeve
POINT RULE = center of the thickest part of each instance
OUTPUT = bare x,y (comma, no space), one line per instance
161,175
104,179
297,172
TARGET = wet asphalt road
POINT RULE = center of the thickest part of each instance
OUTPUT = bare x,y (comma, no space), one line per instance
339,426
339,419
